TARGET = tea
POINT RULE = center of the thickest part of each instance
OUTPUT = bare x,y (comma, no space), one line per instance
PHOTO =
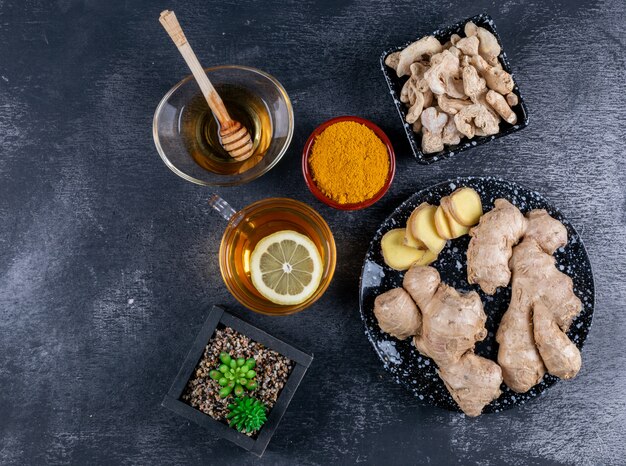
257,226
257,221
200,129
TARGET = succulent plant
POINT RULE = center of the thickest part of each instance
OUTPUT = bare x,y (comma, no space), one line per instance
247,414
234,375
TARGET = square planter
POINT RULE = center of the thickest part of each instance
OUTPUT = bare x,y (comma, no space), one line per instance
395,86
301,362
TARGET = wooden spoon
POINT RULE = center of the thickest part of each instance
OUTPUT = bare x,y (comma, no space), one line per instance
234,136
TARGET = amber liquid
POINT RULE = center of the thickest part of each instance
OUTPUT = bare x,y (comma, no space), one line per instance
254,228
200,129
256,222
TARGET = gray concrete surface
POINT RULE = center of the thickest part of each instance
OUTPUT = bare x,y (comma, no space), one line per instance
108,261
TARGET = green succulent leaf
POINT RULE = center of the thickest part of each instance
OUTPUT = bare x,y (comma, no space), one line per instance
247,414
225,391
236,374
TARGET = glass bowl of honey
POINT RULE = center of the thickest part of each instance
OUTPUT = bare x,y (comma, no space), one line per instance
257,221
186,133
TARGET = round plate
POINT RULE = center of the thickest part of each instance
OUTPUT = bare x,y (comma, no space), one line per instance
418,373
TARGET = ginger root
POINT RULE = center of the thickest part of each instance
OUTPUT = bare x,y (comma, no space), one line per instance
468,45
446,325
441,224
473,382
458,74
512,99
470,29
496,78
451,106
425,47
397,314
456,228
522,366
457,212
500,105
466,206
451,135
392,60
397,254
422,226
476,120
488,46
491,244
452,323
433,123
428,229
473,84
416,109
532,334
444,67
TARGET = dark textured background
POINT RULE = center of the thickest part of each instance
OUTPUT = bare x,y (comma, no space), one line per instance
108,261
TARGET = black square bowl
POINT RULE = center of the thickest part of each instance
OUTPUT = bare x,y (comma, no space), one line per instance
301,360
395,86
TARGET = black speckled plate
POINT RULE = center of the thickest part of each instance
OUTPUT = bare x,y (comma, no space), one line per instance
400,358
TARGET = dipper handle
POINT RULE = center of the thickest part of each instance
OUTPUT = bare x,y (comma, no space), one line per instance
234,136
172,26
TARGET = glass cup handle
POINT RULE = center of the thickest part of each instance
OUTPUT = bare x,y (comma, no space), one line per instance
223,207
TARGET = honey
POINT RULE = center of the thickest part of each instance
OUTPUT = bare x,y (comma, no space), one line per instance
200,129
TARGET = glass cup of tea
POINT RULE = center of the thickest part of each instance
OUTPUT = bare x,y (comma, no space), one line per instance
253,223
186,134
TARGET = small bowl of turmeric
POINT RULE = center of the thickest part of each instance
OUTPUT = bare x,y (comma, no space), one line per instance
348,163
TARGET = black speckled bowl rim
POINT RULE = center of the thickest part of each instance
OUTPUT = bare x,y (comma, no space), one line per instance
395,86
418,373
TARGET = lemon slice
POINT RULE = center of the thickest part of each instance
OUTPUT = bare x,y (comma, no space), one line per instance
286,267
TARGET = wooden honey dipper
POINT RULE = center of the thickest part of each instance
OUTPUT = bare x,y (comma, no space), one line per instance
234,137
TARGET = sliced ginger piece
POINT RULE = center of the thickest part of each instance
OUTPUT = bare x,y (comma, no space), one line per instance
428,258
411,241
422,226
397,255
441,224
466,207
456,229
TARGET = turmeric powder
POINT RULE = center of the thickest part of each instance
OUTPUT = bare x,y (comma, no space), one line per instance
349,163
